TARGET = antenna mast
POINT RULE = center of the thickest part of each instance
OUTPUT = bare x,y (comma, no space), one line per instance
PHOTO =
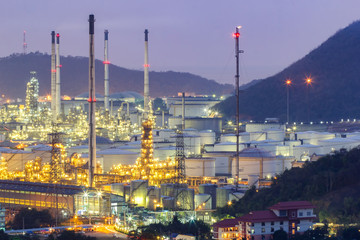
24,43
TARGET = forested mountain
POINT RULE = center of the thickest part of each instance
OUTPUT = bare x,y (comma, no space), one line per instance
15,73
335,70
332,184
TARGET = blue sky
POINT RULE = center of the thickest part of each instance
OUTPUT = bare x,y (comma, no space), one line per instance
187,35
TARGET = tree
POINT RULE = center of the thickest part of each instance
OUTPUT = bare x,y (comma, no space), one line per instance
280,235
3,235
32,218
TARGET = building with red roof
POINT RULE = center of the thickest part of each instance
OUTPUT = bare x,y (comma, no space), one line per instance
292,217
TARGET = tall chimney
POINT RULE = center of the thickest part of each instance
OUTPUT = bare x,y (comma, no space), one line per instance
58,66
92,101
53,77
106,71
183,112
146,77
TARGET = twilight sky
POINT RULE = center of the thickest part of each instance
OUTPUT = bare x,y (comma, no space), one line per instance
189,35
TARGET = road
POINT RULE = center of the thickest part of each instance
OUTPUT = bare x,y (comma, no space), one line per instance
105,232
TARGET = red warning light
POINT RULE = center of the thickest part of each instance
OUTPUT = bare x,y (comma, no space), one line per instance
236,35
53,70
106,62
146,65
58,35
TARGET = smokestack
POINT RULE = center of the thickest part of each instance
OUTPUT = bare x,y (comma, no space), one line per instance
58,65
146,76
106,72
183,112
53,77
92,101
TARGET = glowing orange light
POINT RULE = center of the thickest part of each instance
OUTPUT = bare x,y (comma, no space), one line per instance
288,82
308,80
67,98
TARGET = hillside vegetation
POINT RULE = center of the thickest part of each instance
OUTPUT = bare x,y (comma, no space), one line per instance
334,68
15,73
332,184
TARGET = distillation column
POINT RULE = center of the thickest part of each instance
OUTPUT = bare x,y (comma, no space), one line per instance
92,101
58,66
106,72
53,77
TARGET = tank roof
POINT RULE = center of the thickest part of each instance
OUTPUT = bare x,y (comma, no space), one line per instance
255,153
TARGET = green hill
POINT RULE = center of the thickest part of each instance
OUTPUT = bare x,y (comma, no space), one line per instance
334,67
14,74
332,184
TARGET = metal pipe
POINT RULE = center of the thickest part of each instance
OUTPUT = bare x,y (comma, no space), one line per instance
146,76
53,77
106,72
92,101
58,81
183,112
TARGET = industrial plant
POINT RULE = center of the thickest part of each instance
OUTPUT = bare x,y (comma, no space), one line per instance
115,155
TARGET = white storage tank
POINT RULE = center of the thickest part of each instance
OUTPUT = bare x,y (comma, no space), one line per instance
207,137
256,161
275,134
200,167
203,201
236,196
138,189
162,153
211,190
222,195
114,156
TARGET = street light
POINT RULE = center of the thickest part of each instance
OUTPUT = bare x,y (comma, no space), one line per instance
288,84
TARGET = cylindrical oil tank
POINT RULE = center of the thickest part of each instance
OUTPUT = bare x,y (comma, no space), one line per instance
204,123
211,190
153,198
236,196
138,190
192,144
167,189
207,137
275,134
168,203
203,201
118,188
222,195
253,179
185,198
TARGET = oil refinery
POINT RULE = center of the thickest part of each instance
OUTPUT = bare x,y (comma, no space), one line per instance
103,156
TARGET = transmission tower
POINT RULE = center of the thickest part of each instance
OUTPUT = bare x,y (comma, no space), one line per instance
24,43
55,165
179,158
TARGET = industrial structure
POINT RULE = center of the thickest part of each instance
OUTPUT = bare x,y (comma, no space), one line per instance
32,94
53,77
77,156
58,80
106,71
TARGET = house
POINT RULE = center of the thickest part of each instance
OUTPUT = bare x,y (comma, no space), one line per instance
292,217
176,236
226,229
